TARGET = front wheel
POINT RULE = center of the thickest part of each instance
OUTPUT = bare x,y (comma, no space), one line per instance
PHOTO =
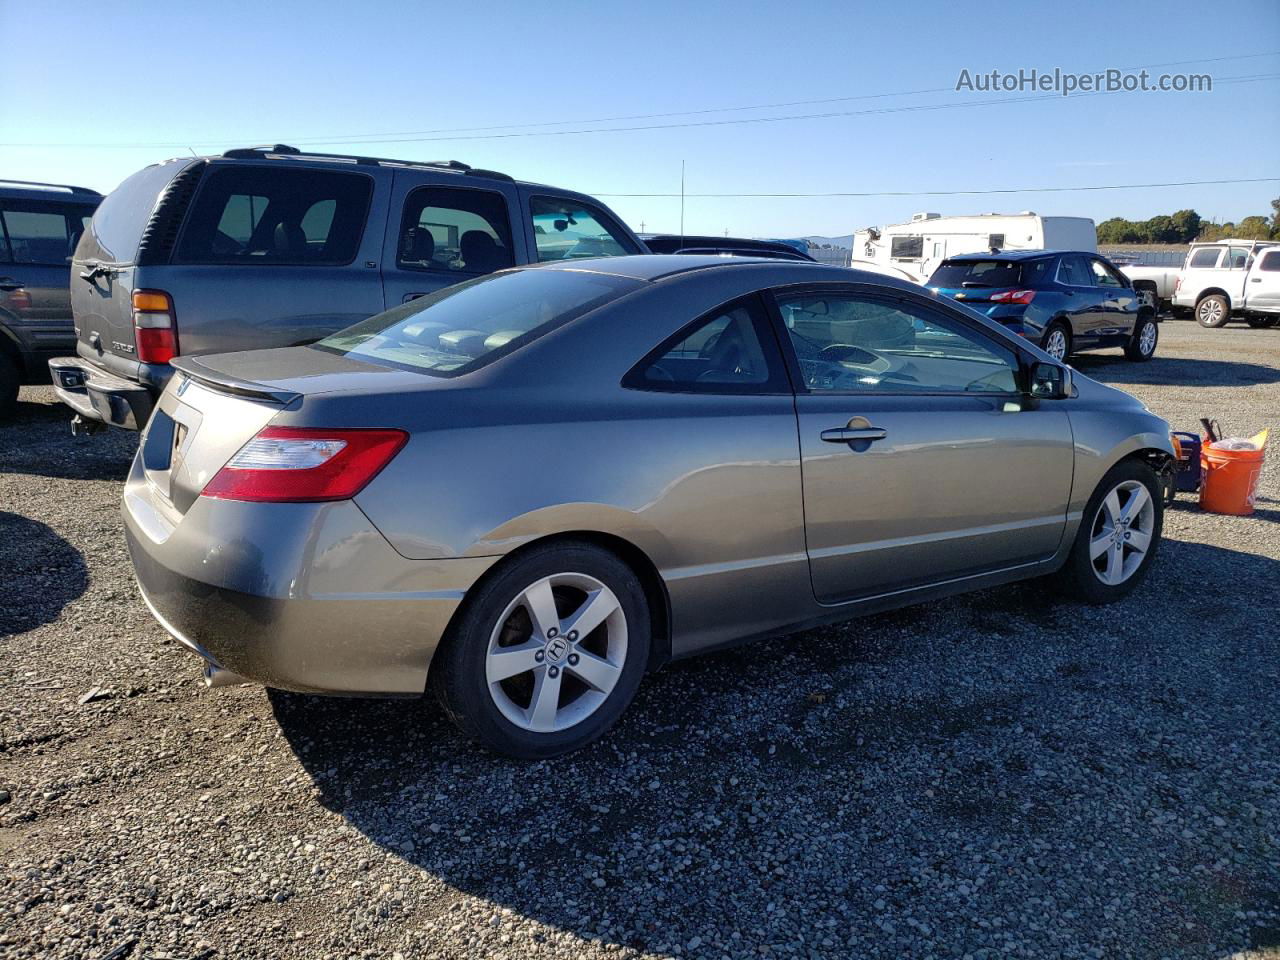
547,654
1057,341
1142,343
1213,311
1118,535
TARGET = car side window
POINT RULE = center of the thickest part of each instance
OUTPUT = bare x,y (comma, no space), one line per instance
851,343
1237,258
729,350
1074,272
1270,262
565,229
1104,276
465,231
38,234
1205,257
252,214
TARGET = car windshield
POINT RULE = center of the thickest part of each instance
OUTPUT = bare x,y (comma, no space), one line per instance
977,273
460,328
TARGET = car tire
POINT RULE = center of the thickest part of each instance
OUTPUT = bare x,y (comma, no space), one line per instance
1057,340
1104,577
507,624
1142,342
10,380
1213,311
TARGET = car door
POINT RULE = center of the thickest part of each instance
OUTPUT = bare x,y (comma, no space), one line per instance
1262,291
922,460
35,253
1083,299
1118,301
441,234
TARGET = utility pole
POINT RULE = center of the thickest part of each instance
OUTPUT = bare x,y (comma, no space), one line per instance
682,200
642,226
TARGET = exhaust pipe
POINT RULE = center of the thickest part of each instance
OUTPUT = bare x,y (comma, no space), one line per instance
215,676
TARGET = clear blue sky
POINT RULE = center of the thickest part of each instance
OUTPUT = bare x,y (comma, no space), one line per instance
234,73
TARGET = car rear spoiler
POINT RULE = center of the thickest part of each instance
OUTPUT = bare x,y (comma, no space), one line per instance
226,383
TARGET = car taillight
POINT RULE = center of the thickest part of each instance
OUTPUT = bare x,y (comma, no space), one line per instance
1013,296
1177,283
305,464
155,335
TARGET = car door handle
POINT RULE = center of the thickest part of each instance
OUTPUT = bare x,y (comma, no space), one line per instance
1251,280
8,284
853,434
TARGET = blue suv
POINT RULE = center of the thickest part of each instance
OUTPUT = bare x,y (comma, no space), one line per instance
1062,300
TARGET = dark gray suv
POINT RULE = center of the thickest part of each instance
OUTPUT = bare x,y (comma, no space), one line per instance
40,225
272,247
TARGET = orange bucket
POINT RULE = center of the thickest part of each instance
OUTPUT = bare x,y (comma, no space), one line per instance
1231,477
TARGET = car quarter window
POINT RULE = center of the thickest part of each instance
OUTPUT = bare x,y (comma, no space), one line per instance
729,350
252,214
861,344
1103,275
1270,262
1205,257
565,229
465,231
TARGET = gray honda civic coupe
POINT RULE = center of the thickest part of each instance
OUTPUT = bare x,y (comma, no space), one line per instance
527,490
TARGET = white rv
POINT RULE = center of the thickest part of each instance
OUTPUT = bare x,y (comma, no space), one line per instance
919,246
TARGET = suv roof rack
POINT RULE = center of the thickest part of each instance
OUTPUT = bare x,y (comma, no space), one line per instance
283,151
48,186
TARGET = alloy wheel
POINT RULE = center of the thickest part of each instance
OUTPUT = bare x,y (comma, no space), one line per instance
556,653
1121,533
1210,311
1056,344
1147,338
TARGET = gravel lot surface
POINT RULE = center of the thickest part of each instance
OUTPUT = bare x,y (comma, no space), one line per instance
1001,775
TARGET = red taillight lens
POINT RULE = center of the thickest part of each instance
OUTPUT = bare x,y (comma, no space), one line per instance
1177,283
1013,296
305,464
155,333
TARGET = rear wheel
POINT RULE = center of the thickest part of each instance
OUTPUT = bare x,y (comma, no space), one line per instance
1213,311
1056,341
547,654
1118,535
10,380
1142,343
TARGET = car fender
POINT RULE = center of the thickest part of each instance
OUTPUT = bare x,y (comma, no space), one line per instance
568,518
1099,448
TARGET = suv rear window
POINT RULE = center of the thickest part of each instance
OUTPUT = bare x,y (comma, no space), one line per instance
463,327
253,214
988,273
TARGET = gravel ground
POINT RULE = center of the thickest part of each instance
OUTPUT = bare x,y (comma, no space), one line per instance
1000,775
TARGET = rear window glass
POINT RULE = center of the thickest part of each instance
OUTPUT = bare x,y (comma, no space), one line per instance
250,214
460,328
117,226
1205,257
988,273
448,229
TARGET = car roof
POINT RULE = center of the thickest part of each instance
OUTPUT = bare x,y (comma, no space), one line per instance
656,267
33,190
1014,256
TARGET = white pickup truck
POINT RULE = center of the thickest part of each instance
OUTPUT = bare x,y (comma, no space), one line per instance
1231,279
1155,285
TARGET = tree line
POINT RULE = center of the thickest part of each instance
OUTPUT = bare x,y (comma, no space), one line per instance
1186,226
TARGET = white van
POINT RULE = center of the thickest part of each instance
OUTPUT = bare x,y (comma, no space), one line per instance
929,238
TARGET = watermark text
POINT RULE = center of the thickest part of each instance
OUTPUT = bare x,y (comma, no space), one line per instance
1065,83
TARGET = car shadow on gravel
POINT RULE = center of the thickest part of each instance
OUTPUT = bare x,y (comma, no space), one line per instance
1173,371
38,442
939,762
40,573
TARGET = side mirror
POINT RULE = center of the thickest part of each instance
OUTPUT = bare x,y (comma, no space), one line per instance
1050,381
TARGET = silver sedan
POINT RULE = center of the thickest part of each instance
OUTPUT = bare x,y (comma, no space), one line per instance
527,490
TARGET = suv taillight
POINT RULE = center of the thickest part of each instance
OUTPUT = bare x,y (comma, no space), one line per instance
1013,296
305,464
154,331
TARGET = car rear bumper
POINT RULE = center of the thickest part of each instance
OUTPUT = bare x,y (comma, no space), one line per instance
299,596
95,394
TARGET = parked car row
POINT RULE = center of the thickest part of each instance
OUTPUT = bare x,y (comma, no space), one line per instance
420,425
